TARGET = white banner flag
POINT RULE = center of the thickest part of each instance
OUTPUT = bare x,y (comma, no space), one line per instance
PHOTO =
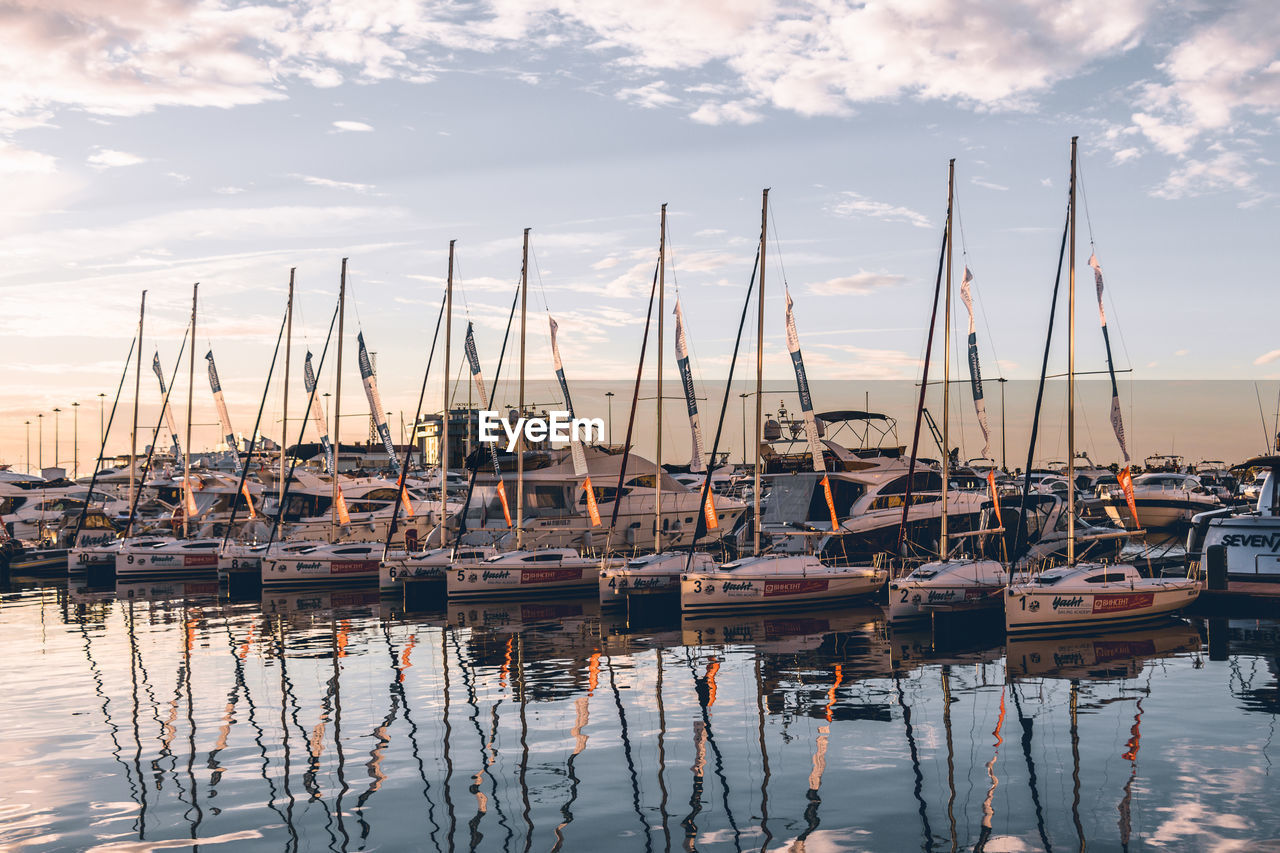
696,464
1116,423
975,372
318,416
168,410
375,400
575,446
228,434
802,385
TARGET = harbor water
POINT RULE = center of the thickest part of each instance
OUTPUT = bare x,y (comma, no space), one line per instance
164,716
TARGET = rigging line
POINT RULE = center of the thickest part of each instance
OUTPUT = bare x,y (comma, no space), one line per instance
777,246
1044,369
542,291
408,448
97,465
253,440
155,434
1084,198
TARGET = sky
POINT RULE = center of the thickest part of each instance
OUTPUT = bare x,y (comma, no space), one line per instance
155,144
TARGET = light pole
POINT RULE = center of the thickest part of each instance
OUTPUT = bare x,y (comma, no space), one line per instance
609,399
55,437
744,427
75,440
40,442
28,425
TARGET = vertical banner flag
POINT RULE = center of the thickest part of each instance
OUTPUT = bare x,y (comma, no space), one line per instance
1125,477
975,372
575,445
696,465
248,499
318,416
189,493
168,410
473,360
228,435
370,382
806,409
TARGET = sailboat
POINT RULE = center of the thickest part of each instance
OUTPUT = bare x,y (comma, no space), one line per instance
961,583
1086,595
780,579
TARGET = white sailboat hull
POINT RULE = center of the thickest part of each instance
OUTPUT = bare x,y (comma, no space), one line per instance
1030,610
482,580
709,592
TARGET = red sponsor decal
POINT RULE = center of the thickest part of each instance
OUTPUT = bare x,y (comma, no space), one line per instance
530,612
1109,650
775,588
791,627
974,594
192,560
1122,601
208,588
352,599
549,575
346,567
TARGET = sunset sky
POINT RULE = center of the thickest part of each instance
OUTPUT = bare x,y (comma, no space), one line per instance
150,145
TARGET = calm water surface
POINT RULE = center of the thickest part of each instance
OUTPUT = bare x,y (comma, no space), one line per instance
160,717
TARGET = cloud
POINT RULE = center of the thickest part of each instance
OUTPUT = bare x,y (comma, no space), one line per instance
650,96
985,184
15,160
1267,357
859,283
728,112
329,183
855,204
108,158
352,126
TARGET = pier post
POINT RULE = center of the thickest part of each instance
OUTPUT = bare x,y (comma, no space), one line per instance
1215,561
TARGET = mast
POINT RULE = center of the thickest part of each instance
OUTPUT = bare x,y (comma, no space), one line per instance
1071,367
188,498
755,489
943,550
657,477
284,416
444,431
337,403
524,299
137,392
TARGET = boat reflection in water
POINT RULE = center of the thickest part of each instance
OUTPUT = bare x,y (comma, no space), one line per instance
154,714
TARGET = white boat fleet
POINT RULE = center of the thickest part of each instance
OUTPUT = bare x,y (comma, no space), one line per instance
832,509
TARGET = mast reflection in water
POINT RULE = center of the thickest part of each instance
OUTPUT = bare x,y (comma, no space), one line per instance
163,716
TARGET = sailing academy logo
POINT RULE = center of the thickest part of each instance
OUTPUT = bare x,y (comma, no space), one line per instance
558,426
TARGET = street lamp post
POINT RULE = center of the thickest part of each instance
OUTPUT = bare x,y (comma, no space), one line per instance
56,412
744,427
28,425
75,440
102,432
609,398
40,442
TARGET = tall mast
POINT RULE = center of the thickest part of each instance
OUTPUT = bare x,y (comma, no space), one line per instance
188,500
755,490
444,431
943,550
1071,368
524,299
657,477
337,403
137,391
284,416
